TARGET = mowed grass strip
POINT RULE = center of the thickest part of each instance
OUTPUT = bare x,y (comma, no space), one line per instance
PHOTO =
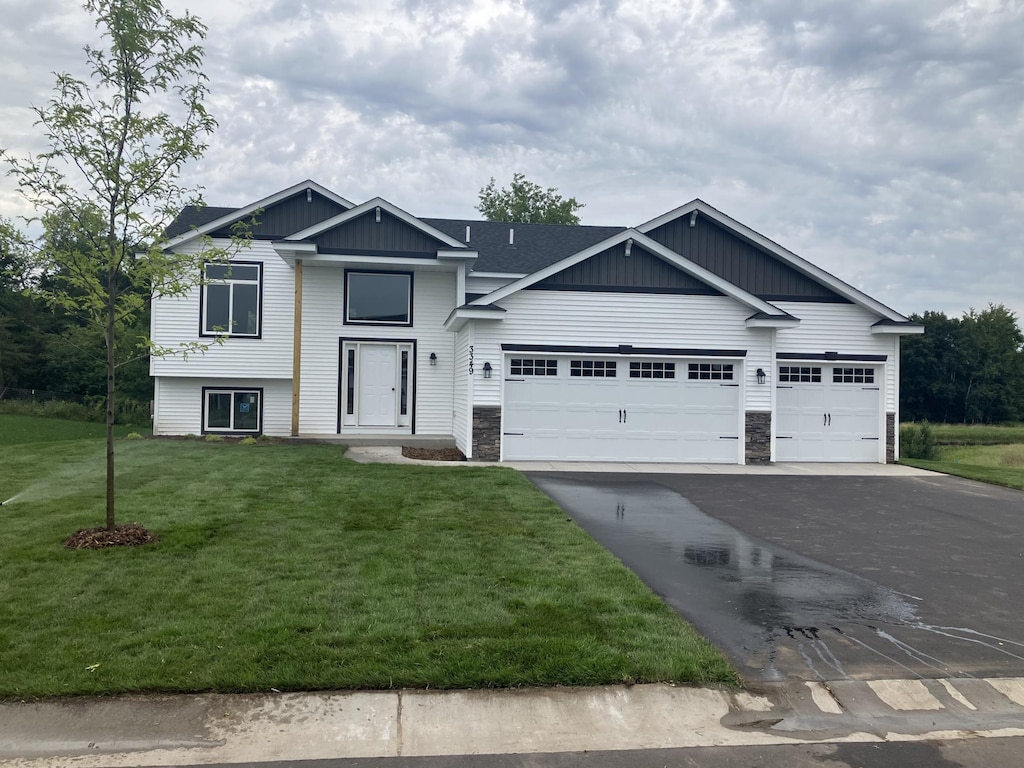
290,567
996,464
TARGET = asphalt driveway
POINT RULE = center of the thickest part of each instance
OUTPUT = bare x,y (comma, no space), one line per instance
823,578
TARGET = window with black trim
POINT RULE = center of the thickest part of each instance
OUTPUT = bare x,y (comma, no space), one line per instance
710,371
797,373
378,298
652,370
602,369
853,375
526,366
231,410
231,299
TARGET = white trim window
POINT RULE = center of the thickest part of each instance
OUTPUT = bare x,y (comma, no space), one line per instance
231,299
232,410
378,298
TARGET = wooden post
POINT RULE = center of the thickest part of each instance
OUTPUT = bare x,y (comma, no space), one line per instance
297,349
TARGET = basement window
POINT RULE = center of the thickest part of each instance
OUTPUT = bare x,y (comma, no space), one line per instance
232,410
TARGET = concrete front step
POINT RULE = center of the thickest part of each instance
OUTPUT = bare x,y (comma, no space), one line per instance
414,441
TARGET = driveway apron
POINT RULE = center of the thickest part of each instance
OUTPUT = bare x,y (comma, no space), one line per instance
823,578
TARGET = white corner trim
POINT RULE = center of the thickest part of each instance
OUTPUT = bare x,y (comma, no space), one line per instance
247,210
800,264
369,205
685,265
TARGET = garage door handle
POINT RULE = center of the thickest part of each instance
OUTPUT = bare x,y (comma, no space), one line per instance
824,419
830,419
620,415
625,415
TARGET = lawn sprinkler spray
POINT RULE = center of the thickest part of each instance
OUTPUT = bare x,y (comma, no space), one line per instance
2,503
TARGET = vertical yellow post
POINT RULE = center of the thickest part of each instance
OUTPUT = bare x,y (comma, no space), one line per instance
297,349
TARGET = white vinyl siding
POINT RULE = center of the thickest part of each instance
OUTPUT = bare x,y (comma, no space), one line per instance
323,326
176,321
611,319
180,403
842,328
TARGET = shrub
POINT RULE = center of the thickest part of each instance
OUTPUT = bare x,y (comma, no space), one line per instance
248,441
917,441
133,436
214,439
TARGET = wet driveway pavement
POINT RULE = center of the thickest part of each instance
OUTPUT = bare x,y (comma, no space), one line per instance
823,578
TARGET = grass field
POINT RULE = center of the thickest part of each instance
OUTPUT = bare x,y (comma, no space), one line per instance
291,567
990,453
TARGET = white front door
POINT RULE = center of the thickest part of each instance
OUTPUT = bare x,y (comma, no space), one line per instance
377,391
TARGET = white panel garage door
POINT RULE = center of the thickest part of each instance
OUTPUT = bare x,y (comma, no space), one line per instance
573,408
828,413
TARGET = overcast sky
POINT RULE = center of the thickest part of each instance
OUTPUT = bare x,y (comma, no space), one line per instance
883,141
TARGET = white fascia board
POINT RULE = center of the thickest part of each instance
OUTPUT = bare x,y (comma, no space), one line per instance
773,322
369,205
461,315
379,262
902,329
797,262
499,275
250,209
444,253
647,243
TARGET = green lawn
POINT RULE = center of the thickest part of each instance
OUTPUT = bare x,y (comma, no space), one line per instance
985,452
17,430
291,567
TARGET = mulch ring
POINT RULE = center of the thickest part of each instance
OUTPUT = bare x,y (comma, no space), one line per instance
130,535
433,454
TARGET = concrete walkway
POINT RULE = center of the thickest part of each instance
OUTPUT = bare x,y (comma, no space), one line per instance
393,455
219,729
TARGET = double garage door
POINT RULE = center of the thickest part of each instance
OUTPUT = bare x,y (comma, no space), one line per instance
829,413
577,408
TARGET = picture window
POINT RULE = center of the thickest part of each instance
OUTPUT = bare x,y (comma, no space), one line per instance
378,298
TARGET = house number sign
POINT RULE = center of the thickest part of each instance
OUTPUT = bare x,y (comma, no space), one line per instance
470,359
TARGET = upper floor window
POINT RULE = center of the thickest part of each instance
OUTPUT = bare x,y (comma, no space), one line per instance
231,299
378,298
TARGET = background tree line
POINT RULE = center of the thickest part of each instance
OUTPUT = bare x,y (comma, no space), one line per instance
52,348
967,369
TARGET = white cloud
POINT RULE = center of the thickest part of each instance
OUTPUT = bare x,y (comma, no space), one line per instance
878,140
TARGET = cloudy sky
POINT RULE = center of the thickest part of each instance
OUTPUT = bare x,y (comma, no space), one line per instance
882,140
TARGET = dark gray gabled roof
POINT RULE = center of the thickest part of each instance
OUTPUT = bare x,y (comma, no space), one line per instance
534,247
192,217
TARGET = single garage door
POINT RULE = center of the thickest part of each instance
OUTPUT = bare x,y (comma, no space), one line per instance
574,408
828,413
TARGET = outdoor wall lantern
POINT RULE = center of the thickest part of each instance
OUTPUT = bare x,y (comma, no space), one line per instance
433,358
760,375
487,370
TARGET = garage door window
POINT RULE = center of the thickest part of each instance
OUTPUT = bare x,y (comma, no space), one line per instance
712,371
652,370
853,375
526,366
805,374
592,368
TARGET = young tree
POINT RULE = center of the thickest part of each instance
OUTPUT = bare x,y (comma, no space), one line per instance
118,143
526,202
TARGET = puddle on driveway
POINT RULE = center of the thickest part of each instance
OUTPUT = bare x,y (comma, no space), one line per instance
777,613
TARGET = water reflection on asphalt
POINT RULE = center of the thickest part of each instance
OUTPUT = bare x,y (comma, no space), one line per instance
775,611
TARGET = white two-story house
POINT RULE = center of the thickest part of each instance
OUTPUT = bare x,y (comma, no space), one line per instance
688,338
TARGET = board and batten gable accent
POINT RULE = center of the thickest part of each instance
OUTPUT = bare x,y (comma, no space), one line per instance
729,256
295,213
323,326
180,404
841,328
621,269
610,319
176,320
364,235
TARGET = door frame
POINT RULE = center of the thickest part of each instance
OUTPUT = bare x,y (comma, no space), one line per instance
353,342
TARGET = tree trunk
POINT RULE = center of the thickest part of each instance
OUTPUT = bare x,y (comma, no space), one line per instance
108,336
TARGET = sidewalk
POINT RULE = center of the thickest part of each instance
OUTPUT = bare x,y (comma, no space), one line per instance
378,454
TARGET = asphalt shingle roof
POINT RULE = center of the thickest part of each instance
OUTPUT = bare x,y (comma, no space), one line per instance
535,245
